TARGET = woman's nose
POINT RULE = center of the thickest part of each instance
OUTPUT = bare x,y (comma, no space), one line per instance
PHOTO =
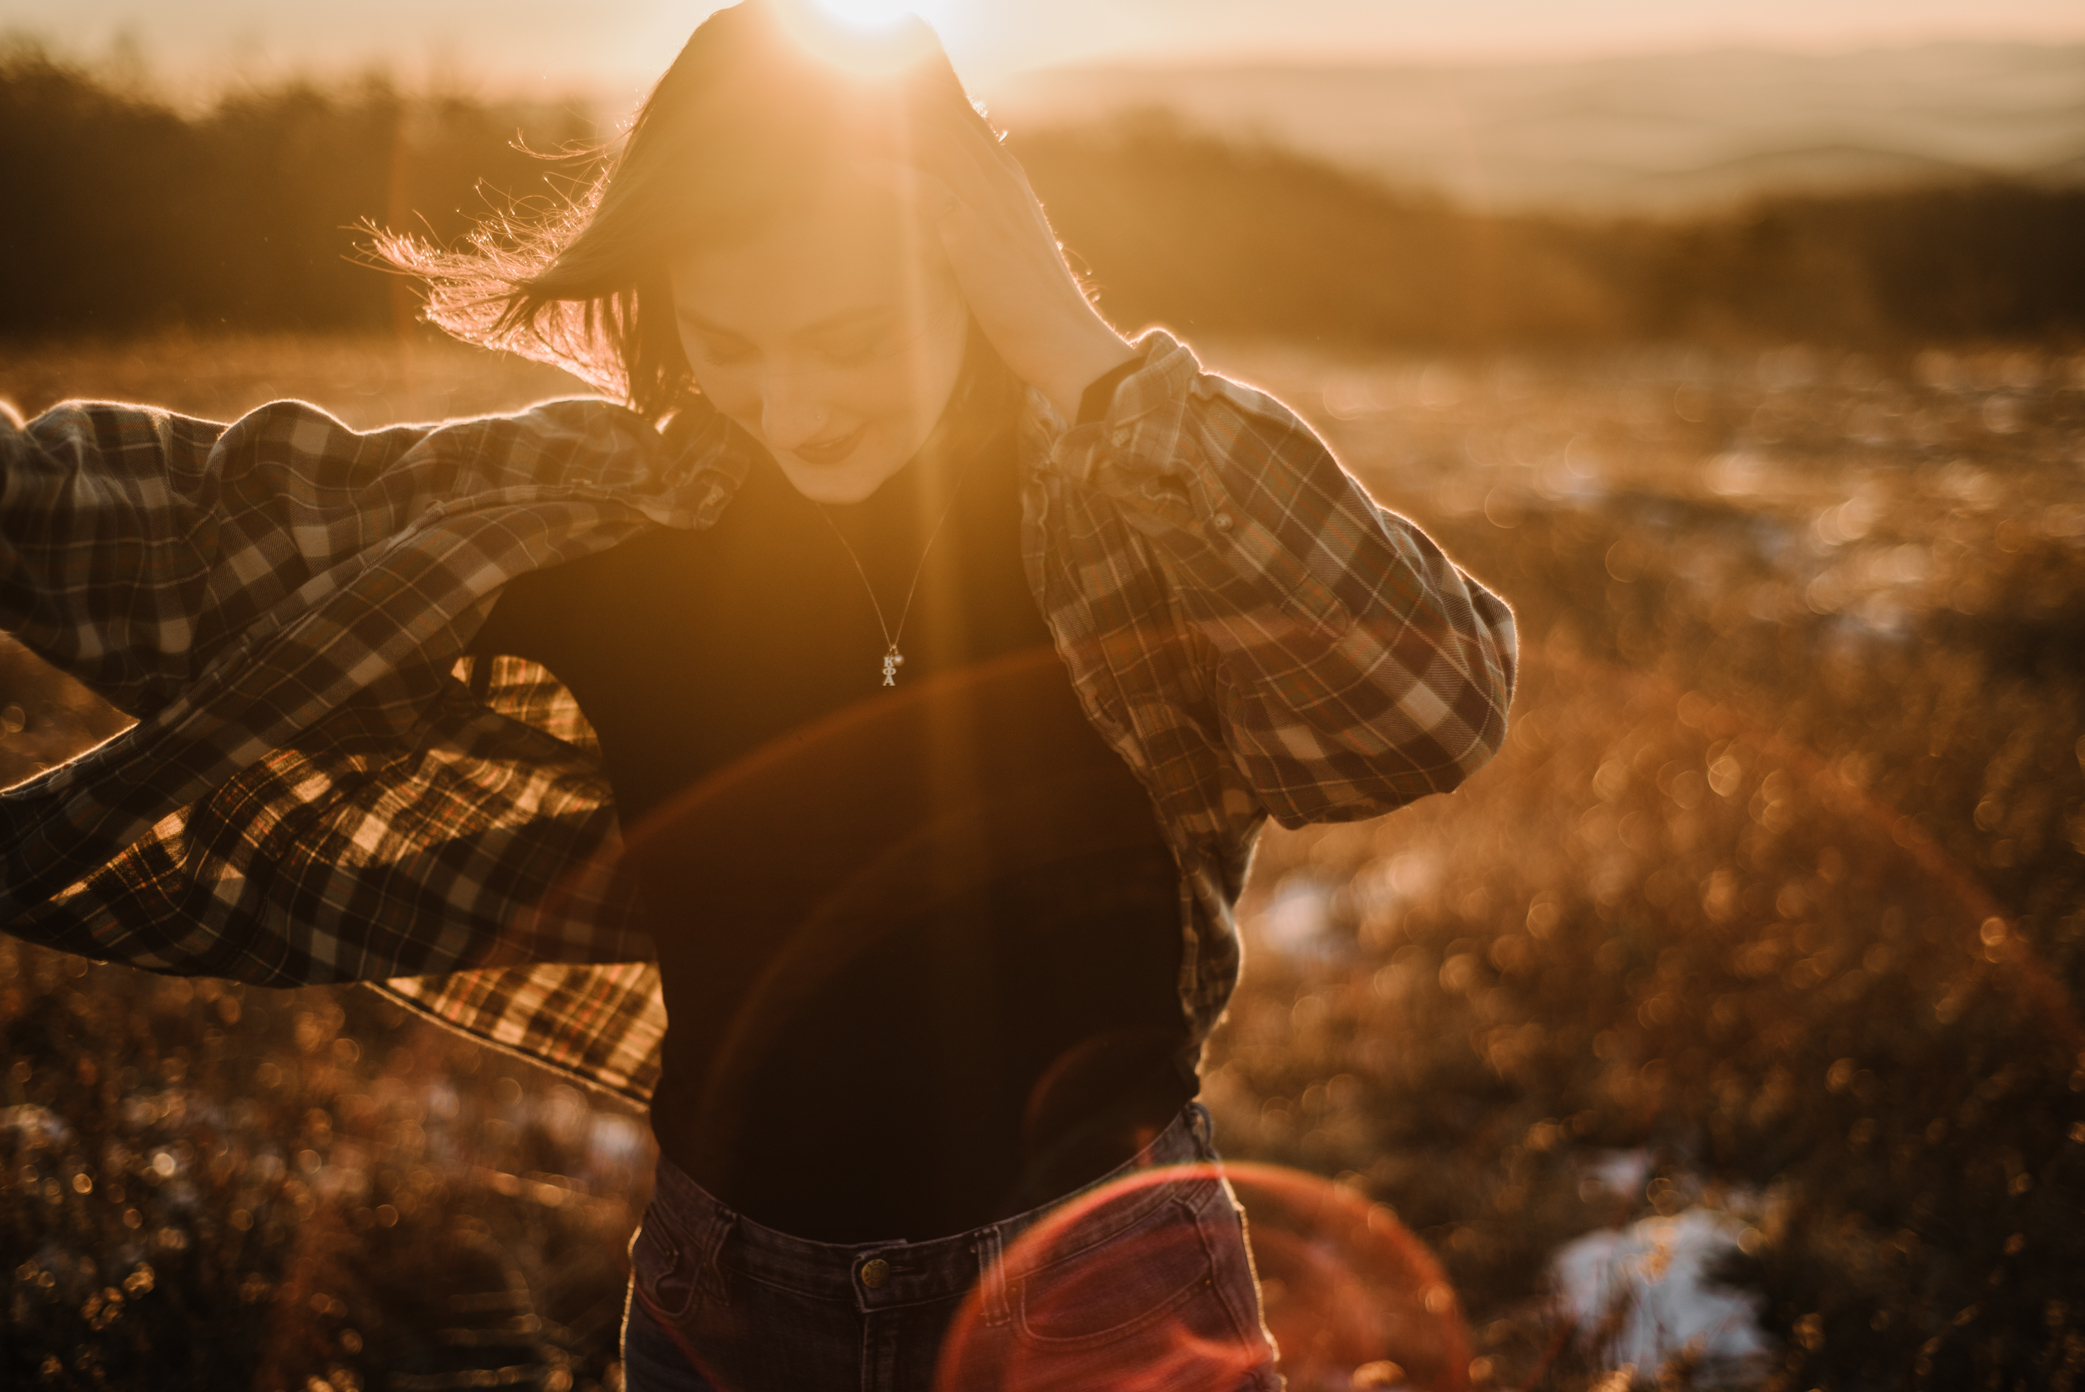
789,415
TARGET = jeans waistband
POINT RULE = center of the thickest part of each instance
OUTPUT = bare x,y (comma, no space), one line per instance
725,1244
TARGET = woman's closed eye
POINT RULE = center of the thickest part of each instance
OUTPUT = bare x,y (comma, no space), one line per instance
847,348
855,346
723,352
859,339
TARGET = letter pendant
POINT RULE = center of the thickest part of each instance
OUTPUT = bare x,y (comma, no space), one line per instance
892,661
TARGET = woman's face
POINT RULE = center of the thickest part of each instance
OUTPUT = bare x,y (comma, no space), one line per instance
834,334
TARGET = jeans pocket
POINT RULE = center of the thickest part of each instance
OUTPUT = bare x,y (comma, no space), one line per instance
1154,1282
664,1270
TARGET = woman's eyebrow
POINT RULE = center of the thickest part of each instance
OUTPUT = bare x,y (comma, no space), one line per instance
846,319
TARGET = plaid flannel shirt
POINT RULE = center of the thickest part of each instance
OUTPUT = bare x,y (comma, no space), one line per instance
316,791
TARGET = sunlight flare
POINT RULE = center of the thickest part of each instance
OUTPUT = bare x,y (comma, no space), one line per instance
866,14
865,35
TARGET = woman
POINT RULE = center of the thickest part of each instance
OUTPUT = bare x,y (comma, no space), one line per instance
940,653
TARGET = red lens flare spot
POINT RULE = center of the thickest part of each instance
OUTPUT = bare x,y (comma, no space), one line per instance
1139,1285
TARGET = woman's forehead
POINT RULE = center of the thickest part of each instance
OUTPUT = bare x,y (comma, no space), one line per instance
849,248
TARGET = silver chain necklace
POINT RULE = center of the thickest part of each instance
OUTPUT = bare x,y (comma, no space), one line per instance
892,658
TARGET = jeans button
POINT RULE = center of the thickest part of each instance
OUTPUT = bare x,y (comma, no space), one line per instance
875,1271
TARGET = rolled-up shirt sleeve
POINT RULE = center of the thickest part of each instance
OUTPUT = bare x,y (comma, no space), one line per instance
1354,667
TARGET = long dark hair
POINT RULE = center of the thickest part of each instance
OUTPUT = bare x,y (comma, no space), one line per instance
764,102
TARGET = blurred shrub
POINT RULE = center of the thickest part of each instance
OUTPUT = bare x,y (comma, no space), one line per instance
127,214
1977,260
204,1185
130,214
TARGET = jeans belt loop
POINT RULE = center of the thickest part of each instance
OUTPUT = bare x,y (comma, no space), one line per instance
991,1272
712,1281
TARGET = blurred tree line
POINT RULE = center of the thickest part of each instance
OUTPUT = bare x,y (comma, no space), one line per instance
130,214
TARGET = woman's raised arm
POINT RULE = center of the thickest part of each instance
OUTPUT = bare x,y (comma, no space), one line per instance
1353,666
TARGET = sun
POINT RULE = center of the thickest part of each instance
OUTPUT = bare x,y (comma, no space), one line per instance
865,35
866,14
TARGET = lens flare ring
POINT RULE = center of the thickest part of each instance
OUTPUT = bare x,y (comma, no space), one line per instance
1347,1293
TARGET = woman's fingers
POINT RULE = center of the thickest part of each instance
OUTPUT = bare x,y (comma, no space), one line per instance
976,164
973,192
962,171
955,160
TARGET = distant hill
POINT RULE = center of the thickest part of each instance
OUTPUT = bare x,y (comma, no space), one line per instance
243,214
1663,133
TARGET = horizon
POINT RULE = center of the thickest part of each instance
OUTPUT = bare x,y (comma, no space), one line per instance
131,60
1477,61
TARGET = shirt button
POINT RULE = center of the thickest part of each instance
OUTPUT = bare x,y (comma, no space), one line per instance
1120,436
875,1272
1222,522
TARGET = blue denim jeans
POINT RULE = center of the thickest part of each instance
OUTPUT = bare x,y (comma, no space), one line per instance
1145,1284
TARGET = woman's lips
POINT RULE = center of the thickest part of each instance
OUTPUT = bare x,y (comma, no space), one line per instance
831,451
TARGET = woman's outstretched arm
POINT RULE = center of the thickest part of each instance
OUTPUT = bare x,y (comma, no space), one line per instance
135,542
308,793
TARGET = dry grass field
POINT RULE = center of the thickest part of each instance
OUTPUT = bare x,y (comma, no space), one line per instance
1768,923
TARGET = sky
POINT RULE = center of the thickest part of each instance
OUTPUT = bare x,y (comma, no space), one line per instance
545,46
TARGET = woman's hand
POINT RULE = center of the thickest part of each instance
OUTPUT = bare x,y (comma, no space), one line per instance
1006,260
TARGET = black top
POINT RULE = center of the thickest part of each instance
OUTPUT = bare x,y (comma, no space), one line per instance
919,945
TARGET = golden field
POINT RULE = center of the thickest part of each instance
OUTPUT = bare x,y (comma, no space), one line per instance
1769,917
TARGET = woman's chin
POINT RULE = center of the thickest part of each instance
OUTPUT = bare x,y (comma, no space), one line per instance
850,481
